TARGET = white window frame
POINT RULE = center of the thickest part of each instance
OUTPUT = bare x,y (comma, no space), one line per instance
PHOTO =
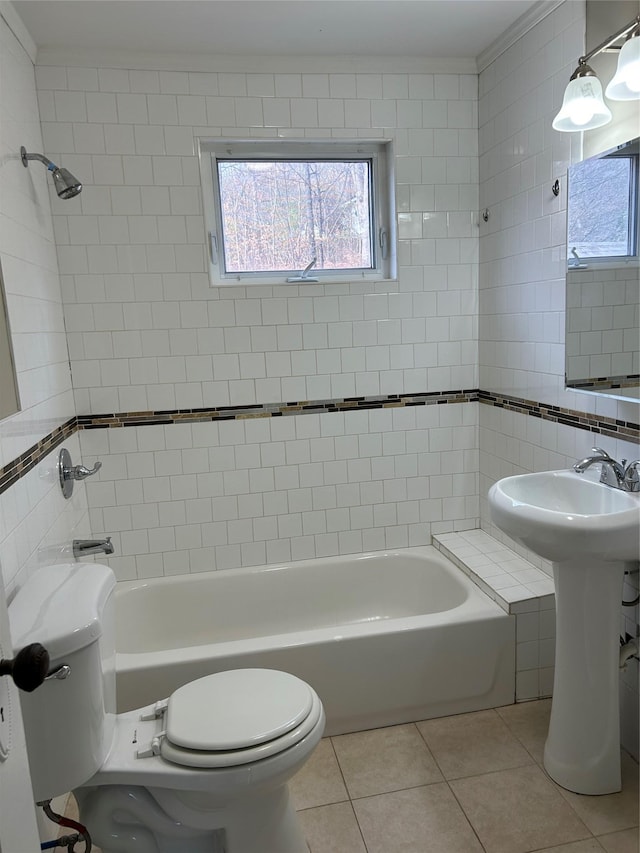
616,261
379,152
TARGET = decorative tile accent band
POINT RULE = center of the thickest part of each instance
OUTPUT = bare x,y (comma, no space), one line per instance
15,470
608,382
610,427
272,410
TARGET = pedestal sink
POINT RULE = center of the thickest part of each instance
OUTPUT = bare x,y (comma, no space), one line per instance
591,533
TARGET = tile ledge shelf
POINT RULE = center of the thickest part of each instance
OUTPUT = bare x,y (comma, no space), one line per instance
507,578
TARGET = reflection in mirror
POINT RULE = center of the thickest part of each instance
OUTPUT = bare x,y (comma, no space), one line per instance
9,401
603,271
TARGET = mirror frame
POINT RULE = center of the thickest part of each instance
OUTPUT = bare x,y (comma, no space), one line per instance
10,396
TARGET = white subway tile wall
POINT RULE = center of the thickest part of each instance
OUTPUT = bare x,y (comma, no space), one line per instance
146,331
523,259
203,496
35,521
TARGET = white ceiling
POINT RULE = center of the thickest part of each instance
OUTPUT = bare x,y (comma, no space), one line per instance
365,28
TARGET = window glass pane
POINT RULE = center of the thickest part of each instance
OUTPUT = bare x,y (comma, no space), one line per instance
279,215
599,216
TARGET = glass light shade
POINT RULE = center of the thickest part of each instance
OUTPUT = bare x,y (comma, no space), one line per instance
625,85
582,107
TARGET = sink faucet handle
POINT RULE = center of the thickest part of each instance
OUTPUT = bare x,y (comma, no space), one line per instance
632,476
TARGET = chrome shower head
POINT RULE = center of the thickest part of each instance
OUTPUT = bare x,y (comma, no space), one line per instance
67,186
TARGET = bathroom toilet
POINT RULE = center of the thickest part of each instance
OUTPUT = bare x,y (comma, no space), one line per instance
204,771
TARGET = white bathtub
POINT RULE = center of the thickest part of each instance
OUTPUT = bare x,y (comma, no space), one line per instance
383,638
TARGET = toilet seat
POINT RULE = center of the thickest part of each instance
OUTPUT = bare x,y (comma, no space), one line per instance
237,717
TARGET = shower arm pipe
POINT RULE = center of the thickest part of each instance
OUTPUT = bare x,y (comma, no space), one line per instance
610,41
51,166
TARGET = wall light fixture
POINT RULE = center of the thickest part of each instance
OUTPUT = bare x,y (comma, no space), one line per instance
583,107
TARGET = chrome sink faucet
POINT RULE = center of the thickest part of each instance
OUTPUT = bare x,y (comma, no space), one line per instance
614,473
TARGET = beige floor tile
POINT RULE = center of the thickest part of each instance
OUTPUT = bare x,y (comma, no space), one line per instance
518,810
529,722
469,744
383,760
319,782
415,821
611,812
626,841
332,829
589,845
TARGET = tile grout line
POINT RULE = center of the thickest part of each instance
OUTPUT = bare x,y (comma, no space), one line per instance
466,816
346,787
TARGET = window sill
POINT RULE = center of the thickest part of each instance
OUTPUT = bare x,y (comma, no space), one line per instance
276,281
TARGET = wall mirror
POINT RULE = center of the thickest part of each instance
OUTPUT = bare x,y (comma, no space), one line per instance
603,271
9,400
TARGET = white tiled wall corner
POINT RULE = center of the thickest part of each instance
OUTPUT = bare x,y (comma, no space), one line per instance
146,331
203,496
523,245
35,521
28,258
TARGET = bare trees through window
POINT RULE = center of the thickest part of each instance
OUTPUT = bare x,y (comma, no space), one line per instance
280,214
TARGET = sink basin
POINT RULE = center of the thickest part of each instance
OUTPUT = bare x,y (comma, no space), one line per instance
561,514
591,533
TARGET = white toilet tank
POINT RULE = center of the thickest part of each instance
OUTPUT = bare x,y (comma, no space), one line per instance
69,724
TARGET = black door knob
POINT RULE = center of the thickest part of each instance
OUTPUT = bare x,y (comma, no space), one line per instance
28,668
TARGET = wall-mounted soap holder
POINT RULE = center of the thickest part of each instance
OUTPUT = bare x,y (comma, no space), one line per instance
68,473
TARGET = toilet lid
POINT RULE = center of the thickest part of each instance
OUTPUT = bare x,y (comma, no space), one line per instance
236,709
212,760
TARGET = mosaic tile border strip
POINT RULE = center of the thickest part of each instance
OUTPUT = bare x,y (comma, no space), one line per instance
272,410
15,470
607,382
611,427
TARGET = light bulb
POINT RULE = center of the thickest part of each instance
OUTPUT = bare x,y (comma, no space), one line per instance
581,112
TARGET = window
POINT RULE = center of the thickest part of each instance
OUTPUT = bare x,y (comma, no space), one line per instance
602,213
300,211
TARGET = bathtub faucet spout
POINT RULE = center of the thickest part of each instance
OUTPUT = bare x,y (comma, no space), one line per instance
82,547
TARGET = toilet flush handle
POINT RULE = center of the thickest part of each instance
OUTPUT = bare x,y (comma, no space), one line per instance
29,668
